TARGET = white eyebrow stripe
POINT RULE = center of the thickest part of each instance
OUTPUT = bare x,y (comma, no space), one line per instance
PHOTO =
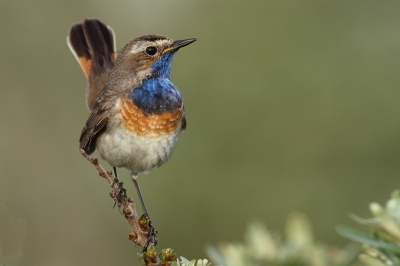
162,42
136,49
140,46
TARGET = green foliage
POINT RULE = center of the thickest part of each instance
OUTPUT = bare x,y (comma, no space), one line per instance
185,262
168,258
382,246
262,247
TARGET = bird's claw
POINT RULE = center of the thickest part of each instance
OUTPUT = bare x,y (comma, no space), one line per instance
121,192
151,234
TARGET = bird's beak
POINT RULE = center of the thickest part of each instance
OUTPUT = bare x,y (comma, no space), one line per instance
178,44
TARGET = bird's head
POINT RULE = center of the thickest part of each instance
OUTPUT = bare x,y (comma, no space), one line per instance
149,56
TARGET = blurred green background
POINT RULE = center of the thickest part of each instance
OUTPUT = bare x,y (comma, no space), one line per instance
291,106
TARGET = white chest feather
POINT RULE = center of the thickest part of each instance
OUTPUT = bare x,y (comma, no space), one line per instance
138,153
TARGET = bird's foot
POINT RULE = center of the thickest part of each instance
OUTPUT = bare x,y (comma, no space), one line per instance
116,181
119,195
146,224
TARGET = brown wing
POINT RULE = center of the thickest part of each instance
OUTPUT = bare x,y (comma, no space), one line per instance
96,122
183,124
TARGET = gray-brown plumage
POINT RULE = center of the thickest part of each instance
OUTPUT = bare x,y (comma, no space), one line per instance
137,113
128,73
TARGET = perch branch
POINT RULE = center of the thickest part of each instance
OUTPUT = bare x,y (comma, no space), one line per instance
140,226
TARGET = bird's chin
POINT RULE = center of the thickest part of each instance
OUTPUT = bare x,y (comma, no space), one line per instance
143,74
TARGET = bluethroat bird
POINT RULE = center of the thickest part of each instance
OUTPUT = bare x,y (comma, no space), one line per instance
137,113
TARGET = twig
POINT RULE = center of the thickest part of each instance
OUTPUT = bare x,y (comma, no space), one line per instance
140,226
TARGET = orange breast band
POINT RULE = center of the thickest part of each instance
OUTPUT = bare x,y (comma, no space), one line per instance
136,121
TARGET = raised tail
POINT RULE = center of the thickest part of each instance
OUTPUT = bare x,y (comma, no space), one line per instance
93,45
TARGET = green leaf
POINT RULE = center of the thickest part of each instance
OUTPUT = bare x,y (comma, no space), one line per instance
358,219
185,261
363,238
369,261
214,254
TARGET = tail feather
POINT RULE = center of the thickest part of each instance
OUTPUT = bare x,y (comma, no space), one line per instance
100,40
93,45
77,43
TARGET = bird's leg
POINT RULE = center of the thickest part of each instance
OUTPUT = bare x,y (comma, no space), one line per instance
134,179
115,176
151,231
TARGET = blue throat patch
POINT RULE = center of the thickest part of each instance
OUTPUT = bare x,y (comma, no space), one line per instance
158,94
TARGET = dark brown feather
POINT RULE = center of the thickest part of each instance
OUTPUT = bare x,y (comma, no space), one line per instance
97,121
93,44
78,41
183,124
100,41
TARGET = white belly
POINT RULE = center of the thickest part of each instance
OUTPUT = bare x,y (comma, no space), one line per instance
140,154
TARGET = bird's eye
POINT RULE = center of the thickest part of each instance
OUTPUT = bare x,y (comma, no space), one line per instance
151,50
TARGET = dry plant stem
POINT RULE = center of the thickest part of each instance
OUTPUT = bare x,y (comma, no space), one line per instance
139,225
139,234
